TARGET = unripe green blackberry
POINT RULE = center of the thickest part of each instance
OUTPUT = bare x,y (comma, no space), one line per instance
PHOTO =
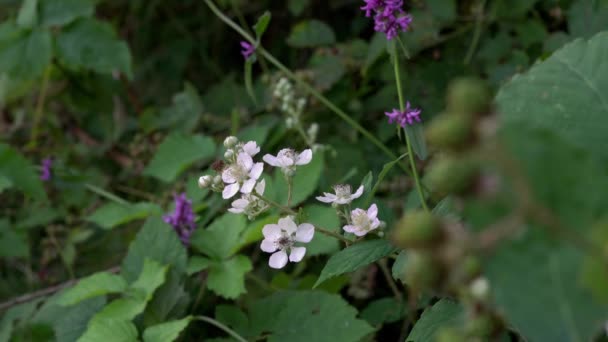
450,175
481,326
416,228
449,334
448,131
421,271
468,96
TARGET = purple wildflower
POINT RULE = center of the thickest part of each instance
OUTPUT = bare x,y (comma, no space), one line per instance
46,174
389,16
248,49
182,218
404,118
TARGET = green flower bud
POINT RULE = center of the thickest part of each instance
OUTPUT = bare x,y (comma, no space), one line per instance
230,142
449,175
450,131
416,228
229,154
204,181
468,96
421,271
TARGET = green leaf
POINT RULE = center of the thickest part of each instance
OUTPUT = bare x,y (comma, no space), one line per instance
182,115
384,310
152,276
221,239
5,183
385,170
92,45
115,330
28,14
21,173
115,214
586,18
12,245
178,152
24,55
233,317
311,33
261,25
296,7
554,94
444,313
248,82
227,278
166,332
416,135
73,322
445,11
62,12
547,271
98,284
305,182
302,316
398,266
155,241
323,216
354,257
376,48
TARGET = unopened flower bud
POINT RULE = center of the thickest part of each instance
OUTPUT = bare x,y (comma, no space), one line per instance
230,141
204,182
229,154
289,172
217,180
417,228
480,289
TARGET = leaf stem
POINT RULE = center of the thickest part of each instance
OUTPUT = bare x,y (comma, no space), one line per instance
476,33
40,107
389,279
221,326
407,136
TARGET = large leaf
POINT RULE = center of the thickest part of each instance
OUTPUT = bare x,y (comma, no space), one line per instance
176,153
227,277
354,257
586,18
306,316
24,54
384,310
98,284
93,45
547,272
565,94
444,313
109,329
156,241
62,12
166,332
222,238
73,323
311,33
20,172
28,14
114,214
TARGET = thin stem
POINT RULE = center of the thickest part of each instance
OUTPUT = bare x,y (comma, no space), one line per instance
476,33
40,107
101,192
332,234
217,324
289,189
410,153
389,279
312,91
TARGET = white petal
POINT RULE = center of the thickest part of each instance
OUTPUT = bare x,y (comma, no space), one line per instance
358,193
305,232
248,186
230,190
285,161
344,200
287,224
271,232
240,203
375,224
328,198
245,161
268,246
227,176
256,170
360,232
372,212
235,210
278,260
349,229
251,148
271,160
304,158
260,187
296,254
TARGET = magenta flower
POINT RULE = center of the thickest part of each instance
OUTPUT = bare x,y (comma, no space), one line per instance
46,174
248,49
389,16
182,218
404,118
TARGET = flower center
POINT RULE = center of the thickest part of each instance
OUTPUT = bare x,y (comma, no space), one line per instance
238,172
360,220
342,190
284,242
287,153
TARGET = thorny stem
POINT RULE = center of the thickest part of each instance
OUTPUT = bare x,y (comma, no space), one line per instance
40,107
389,279
407,136
340,113
476,33
217,324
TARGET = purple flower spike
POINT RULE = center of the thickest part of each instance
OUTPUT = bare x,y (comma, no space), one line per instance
248,49
406,118
389,17
46,174
182,218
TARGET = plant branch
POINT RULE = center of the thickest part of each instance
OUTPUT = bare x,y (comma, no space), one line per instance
221,326
389,279
476,33
39,108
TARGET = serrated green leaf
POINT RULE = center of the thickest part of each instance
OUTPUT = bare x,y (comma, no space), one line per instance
62,12
586,18
227,278
98,284
115,330
197,264
152,276
444,313
221,239
305,182
178,152
20,172
398,266
24,55
554,94
115,214
155,241
311,33
233,317
384,310
261,25
92,45
317,314
166,332
72,323
28,14
354,257
325,217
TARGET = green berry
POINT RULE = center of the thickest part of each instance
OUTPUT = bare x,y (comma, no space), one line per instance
421,271
450,175
468,96
450,131
481,326
416,228
449,334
